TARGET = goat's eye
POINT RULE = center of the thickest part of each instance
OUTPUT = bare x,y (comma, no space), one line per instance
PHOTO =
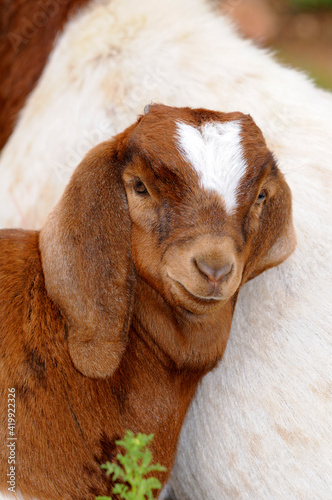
261,197
139,187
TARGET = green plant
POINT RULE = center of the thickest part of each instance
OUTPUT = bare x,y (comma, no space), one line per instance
136,463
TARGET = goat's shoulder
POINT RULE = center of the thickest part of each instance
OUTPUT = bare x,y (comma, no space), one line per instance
19,260
17,247
28,317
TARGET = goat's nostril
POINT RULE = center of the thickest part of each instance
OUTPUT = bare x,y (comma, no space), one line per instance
214,273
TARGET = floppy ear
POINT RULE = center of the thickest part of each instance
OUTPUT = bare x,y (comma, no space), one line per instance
276,239
86,255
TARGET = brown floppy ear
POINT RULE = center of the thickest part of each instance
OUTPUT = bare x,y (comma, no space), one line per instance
86,255
276,239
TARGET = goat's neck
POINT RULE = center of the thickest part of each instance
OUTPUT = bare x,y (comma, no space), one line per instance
185,340
172,354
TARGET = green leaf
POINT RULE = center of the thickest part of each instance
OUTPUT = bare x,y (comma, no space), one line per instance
135,464
153,483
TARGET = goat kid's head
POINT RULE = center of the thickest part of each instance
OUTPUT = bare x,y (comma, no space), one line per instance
191,200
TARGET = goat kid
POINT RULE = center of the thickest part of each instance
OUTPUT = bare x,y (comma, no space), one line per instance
114,311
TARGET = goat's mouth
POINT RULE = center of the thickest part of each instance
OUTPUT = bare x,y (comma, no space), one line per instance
198,302
205,298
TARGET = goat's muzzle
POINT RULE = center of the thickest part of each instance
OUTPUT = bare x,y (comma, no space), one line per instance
205,273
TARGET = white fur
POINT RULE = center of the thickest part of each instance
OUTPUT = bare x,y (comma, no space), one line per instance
215,151
260,427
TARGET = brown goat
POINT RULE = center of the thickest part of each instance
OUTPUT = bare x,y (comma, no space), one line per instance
114,311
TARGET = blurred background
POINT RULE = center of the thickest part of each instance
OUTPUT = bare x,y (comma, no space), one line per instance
298,31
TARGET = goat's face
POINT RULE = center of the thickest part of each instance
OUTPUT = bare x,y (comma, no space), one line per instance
192,197
208,205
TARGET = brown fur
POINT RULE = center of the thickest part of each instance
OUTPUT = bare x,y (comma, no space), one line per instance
28,29
107,319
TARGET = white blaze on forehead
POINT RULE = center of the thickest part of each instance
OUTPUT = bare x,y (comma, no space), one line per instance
216,153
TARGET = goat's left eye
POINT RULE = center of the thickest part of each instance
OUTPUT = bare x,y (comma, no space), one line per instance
261,197
139,187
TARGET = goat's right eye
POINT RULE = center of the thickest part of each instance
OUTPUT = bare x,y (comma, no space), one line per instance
261,197
139,187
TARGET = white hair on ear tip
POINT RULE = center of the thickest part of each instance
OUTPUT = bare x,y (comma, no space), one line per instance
147,108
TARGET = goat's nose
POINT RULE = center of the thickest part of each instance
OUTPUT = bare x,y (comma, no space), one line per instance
213,272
